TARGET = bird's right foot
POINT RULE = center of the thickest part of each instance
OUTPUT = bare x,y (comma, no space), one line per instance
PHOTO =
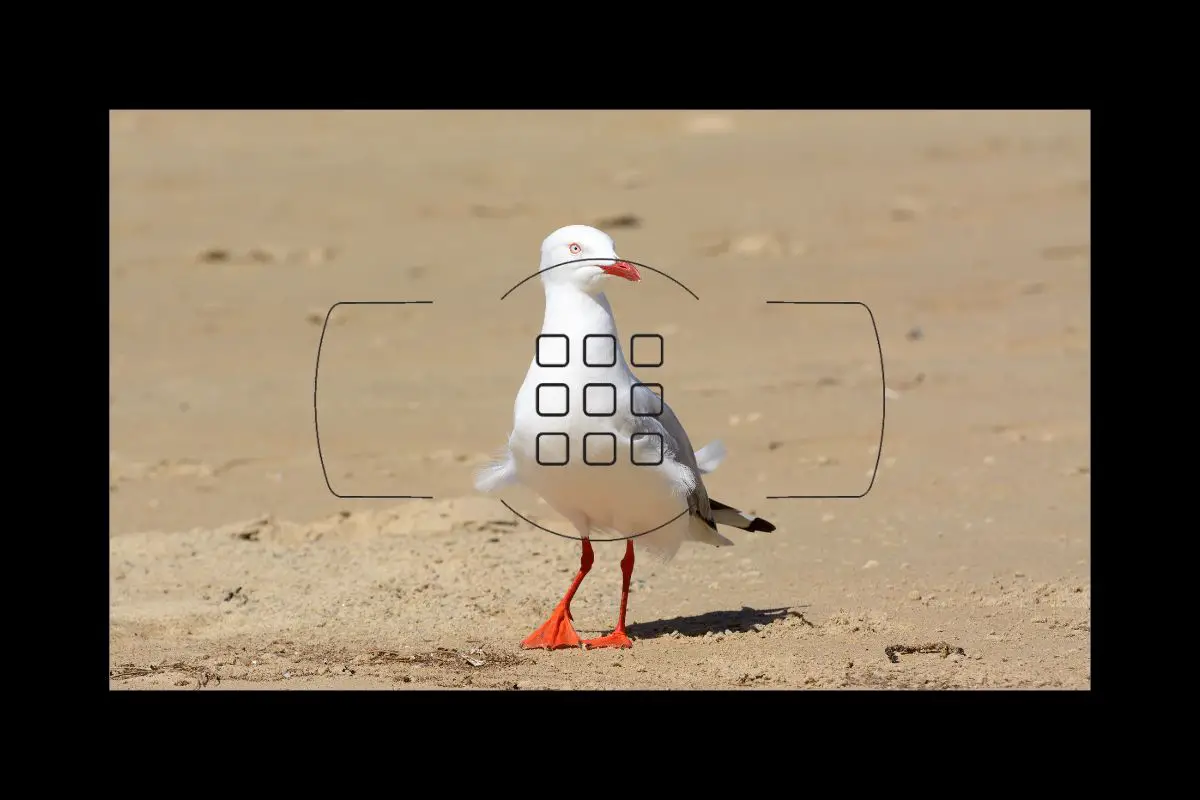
555,633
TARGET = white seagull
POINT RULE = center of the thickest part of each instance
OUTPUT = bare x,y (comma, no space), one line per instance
600,447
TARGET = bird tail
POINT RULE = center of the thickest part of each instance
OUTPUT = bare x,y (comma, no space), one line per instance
496,474
710,456
728,515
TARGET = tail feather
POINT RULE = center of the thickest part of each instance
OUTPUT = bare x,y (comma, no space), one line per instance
710,456
496,474
728,515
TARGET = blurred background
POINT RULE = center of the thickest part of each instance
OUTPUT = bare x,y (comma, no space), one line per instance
967,234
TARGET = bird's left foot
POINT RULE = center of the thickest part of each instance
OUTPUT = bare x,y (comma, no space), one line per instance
614,639
555,632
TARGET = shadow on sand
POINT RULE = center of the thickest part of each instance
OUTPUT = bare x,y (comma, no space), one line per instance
714,622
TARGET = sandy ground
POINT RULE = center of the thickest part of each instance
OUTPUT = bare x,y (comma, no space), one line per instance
967,234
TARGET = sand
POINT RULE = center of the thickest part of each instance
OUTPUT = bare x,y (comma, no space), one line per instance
967,234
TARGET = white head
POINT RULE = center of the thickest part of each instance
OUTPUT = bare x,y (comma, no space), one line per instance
592,256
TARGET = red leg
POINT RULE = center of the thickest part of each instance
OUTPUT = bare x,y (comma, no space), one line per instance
557,631
618,638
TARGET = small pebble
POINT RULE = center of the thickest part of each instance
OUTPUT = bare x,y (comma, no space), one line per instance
905,209
914,595
319,255
619,221
761,244
266,255
215,255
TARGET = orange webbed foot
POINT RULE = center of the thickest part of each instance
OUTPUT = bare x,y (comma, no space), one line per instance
555,633
614,639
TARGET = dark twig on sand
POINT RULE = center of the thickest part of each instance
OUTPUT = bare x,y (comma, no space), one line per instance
943,648
202,675
800,616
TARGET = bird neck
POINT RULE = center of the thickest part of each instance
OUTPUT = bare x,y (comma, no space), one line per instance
569,308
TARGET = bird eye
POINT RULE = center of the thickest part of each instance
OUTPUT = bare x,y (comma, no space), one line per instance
574,248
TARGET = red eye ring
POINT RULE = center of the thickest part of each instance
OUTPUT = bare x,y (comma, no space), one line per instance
575,248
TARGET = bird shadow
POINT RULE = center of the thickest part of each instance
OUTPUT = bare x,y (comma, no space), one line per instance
714,622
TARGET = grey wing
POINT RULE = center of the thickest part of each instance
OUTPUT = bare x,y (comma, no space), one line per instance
676,444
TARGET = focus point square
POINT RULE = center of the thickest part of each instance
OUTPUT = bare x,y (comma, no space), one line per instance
553,350
552,449
599,449
600,350
646,350
651,443
552,399
600,399
644,401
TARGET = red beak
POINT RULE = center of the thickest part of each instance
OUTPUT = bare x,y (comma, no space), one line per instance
623,269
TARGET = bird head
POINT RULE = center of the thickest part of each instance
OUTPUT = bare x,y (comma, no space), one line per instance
583,257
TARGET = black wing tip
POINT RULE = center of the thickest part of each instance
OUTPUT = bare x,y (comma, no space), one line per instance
760,525
756,525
